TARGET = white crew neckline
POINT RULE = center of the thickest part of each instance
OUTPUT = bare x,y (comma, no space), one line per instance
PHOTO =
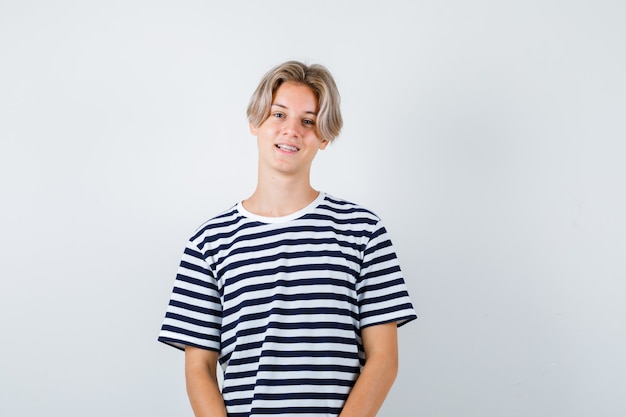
282,219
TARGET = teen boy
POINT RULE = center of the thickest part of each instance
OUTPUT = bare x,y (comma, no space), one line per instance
295,293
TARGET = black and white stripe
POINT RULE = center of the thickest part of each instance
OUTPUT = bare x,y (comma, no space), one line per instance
284,300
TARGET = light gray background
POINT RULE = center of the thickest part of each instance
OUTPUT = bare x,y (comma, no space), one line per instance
489,135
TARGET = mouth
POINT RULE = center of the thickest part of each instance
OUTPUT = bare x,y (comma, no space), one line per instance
287,148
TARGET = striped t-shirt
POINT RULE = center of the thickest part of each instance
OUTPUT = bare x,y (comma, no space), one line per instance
283,300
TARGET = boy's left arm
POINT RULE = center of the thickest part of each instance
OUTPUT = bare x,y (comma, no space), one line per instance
380,343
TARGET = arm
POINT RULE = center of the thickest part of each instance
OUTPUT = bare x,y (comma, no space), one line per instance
202,387
380,343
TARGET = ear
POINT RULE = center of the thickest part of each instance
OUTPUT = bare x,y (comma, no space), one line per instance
323,144
253,129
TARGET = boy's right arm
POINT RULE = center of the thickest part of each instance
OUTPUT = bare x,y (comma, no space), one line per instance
202,387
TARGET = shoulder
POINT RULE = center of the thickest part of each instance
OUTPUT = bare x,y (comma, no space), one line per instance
341,208
218,224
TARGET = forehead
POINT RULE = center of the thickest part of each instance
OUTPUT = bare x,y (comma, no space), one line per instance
290,94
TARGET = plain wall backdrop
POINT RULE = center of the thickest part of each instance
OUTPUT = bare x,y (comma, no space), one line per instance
488,135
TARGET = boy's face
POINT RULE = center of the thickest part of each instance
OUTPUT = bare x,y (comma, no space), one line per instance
288,139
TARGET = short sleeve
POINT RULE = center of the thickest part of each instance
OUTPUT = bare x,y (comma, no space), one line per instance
194,313
381,290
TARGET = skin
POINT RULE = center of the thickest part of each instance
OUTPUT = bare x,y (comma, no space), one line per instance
283,184
288,142
202,387
380,343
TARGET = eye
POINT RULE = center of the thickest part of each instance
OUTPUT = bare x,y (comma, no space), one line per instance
309,122
278,114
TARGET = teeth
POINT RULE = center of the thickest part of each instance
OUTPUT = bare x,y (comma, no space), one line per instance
287,147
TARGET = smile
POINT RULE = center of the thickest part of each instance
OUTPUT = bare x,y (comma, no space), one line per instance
287,148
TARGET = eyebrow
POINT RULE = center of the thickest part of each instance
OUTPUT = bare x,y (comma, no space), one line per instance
282,106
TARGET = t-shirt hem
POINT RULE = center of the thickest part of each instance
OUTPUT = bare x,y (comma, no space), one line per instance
400,321
180,344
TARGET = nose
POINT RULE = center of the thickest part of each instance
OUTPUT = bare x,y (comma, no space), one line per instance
291,127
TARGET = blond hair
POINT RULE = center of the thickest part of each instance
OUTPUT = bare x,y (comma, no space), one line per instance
318,78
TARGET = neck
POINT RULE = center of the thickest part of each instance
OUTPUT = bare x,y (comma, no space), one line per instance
277,196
